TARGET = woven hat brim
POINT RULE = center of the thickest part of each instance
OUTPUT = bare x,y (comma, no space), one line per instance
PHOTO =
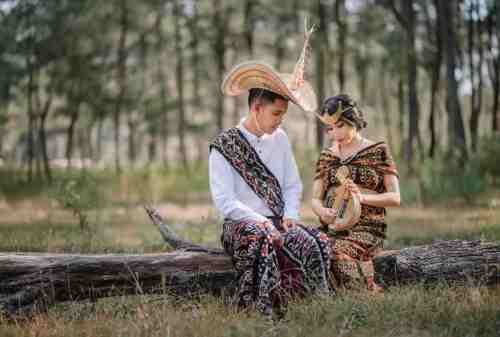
254,74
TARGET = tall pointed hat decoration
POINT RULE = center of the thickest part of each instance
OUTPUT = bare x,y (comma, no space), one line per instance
256,74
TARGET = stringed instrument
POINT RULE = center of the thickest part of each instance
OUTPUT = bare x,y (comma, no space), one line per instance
340,198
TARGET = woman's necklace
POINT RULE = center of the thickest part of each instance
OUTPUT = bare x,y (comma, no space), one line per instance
352,153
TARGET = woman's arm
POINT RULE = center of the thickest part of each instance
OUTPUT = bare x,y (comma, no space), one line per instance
390,198
326,215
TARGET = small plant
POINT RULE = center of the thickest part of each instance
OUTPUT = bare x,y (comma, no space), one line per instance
488,157
78,193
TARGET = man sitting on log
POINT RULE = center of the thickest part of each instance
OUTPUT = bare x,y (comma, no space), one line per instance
255,185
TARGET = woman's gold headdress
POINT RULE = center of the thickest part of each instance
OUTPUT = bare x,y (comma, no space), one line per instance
333,118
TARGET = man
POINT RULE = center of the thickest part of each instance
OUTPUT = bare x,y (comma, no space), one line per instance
255,185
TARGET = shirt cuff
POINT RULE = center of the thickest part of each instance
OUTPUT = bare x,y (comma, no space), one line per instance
291,214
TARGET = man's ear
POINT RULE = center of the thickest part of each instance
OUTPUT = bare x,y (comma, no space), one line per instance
257,106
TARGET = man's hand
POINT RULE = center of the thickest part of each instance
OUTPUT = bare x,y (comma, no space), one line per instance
276,237
288,223
328,215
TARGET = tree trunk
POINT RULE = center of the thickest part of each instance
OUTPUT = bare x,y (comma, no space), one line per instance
407,20
401,108
43,137
35,281
30,150
249,25
321,49
99,137
341,20
493,26
195,59
121,79
164,111
496,102
475,47
385,105
71,133
456,131
362,63
179,76
435,79
220,22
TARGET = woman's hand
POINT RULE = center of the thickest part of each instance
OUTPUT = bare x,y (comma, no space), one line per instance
354,190
327,215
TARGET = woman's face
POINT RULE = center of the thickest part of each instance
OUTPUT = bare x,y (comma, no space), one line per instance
341,132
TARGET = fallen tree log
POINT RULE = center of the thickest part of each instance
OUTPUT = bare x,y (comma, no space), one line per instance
35,281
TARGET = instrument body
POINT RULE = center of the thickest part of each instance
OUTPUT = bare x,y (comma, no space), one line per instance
341,199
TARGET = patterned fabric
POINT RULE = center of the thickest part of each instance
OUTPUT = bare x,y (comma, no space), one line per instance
245,160
352,251
268,275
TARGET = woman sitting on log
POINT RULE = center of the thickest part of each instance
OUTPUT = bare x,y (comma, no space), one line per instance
355,180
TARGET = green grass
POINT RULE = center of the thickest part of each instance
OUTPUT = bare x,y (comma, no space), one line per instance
439,310
409,311
32,219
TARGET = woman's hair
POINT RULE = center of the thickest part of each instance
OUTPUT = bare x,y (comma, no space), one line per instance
352,115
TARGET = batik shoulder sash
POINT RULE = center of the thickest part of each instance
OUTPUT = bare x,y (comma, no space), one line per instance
233,145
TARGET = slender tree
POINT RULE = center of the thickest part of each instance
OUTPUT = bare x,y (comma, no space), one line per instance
407,18
179,75
121,69
456,131
341,22
476,60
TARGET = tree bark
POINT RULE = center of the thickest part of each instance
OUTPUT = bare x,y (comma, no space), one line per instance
249,25
71,132
475,47
121,79
407,19
220,22
42,135
456,131
34,281
385,105
179,76
401,108
164,112
341,21
434,70
493,27
496,103
322,46
30,151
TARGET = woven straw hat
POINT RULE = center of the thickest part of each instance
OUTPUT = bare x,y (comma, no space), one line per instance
256,74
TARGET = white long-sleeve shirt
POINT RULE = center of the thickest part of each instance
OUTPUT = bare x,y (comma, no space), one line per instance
235,199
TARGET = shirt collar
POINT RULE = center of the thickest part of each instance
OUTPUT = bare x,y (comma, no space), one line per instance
248,135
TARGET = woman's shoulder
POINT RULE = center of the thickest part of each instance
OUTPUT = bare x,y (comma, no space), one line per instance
328,153
379,145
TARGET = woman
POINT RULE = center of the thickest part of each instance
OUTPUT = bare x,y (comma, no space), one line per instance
372,178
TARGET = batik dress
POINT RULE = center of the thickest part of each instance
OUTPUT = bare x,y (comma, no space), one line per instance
269,273
352,251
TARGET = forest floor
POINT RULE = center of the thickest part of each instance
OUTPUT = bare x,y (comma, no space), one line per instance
441,310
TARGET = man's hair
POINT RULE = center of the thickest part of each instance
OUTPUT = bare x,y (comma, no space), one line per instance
264,95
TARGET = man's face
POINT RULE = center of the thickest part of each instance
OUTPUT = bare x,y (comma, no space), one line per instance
270,115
